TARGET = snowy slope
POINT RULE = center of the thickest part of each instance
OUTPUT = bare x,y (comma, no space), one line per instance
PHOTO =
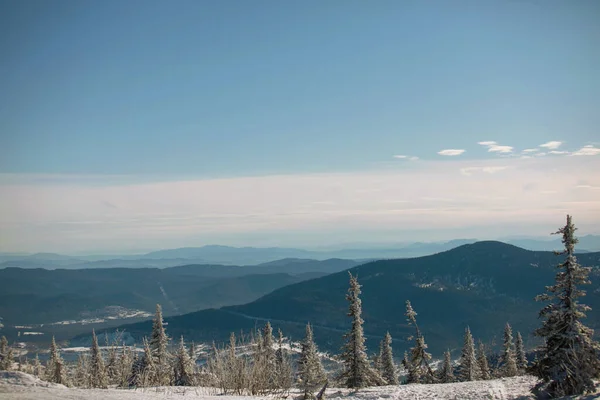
18,385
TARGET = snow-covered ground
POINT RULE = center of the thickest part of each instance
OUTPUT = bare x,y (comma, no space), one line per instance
21,386
18,385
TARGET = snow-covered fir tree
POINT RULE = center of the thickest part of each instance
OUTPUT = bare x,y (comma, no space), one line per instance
192,353
124,366
468,367
376,358
144,369
358,372
285,368
183,368
111,360
508,360
411,372
520,353
37,368
96,369
417,363
386,360
55,367
569,360
446,372
158,344
6,355
311,374
268,348
482,362
81,375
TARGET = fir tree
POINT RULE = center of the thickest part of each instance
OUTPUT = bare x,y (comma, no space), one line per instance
376,359
183,370
446,373
6,355
111,366
520,353
97,372
37,366
192,354
358,372
81,378
419,369
124,368
55,370
469,368
569,360
268,344
310,370
508,361
482,362
145,372
285,369
158,344
388,368
3,345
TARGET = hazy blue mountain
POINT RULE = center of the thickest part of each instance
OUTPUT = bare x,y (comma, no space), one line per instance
227,255
482,285
587,243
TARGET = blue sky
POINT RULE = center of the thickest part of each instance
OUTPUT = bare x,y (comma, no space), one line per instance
109,94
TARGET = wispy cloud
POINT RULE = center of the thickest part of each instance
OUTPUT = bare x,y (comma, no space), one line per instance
494,147
468,171
558,152
588,187
588,150
451,152
404,157
553,145
530,150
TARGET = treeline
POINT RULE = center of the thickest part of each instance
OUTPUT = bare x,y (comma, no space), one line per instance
567,362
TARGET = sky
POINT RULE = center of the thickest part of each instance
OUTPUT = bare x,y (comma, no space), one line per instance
142,124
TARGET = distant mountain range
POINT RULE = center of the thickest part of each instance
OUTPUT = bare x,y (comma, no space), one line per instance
481,285
252,255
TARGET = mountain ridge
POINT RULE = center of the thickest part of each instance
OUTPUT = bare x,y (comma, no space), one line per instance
483,285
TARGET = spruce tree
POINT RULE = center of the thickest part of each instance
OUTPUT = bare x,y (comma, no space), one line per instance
268,344
145,370
183,369
158,344
310,370
124,368
482,362
469,368
37,366
520,353
358,372
55,369
6,355
508,361
81,376
446,373
192,354
388,368
569,360
96,369
285,368
419,369
376,359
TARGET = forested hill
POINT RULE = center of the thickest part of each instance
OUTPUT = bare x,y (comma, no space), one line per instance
482,285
